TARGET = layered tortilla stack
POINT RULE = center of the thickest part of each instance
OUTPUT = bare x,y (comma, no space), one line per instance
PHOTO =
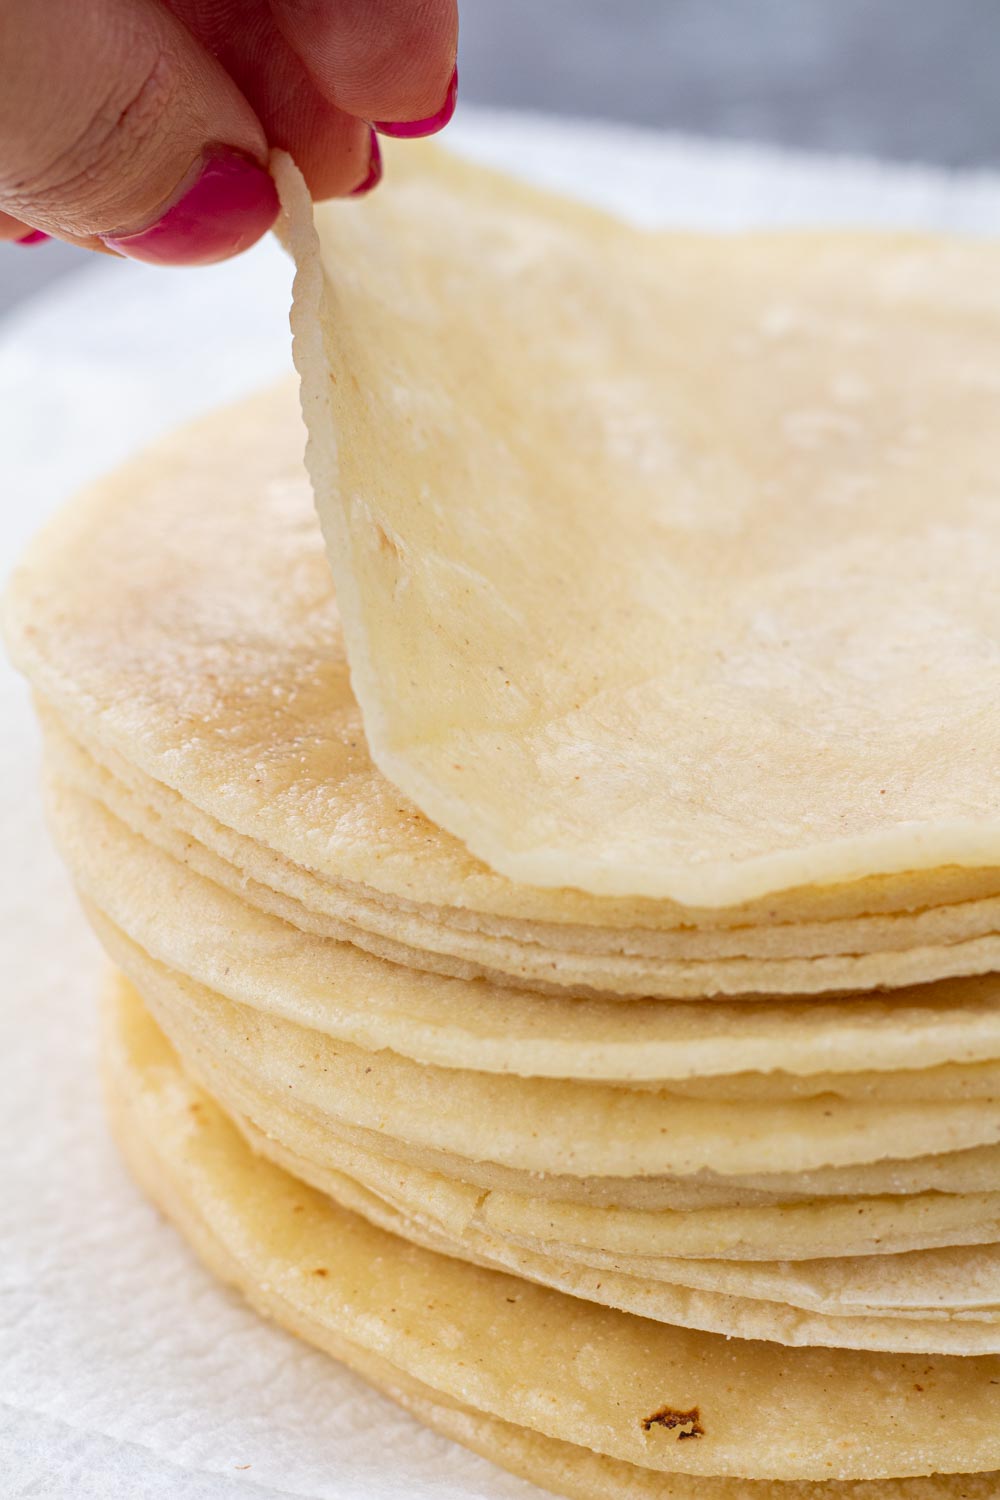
593,1037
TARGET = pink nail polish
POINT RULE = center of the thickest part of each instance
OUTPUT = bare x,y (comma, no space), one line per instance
410,130
374,176
34,237
224,205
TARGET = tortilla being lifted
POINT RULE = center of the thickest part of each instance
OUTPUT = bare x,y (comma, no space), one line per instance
665,561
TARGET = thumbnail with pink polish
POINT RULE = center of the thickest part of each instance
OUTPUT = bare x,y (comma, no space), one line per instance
227,204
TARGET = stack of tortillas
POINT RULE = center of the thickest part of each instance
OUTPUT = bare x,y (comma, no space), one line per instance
593,1037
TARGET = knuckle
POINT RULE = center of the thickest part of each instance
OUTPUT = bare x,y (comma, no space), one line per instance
102,161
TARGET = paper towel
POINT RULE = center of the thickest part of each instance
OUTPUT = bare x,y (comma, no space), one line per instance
126,1373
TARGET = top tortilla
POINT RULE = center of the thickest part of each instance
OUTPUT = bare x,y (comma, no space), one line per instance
665,562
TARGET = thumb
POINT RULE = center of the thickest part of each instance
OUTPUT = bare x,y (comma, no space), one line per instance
117,129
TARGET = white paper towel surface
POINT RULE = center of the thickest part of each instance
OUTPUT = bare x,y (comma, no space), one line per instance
126,1373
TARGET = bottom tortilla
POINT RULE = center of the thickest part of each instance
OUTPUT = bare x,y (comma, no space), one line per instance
586,1400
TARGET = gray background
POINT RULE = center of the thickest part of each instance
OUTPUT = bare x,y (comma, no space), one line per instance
911,79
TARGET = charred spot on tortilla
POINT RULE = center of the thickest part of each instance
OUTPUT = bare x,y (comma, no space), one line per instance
669,1417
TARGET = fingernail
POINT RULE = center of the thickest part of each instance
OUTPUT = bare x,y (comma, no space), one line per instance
34,237
409,130
224,206
374,170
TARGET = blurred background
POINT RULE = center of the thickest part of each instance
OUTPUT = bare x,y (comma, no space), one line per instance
912,80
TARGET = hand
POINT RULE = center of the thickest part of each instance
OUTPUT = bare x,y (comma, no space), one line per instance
144,126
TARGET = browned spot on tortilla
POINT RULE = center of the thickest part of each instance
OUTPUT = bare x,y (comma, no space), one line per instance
321,1271
670,1417
385,541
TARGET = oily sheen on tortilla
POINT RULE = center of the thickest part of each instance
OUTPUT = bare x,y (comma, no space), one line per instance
665,561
